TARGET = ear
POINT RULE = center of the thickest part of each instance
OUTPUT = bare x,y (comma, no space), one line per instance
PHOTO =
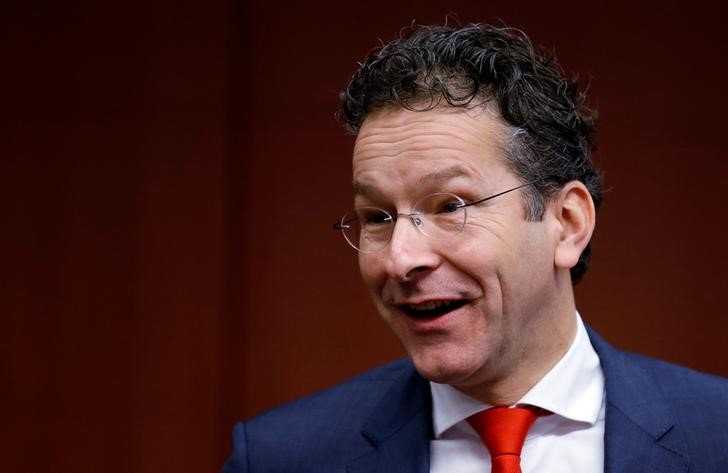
575,213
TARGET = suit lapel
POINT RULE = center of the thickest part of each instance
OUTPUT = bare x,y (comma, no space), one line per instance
399,430
640,432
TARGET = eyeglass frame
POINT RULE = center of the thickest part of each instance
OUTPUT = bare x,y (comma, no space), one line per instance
340,224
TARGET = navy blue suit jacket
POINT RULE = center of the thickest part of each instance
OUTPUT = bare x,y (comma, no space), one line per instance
660,418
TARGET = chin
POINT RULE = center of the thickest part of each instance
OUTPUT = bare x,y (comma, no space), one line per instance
444,369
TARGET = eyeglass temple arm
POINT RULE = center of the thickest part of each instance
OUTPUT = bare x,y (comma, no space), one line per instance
506,191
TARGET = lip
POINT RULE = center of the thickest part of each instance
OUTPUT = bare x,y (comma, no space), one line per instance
432,308
432,324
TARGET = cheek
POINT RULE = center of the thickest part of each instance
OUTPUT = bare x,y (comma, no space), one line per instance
487,263
480,259
371,271
537,250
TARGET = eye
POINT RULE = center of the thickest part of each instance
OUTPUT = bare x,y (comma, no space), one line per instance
438,204
450,207
370,216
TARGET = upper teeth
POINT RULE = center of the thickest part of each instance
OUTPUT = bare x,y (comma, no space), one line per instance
430,305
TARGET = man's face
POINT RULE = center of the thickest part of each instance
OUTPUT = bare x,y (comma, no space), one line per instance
492,284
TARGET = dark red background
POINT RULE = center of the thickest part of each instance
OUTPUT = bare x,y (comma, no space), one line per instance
170,171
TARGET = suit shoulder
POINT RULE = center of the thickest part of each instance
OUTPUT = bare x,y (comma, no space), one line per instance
348,403
672,372
319,432
687,389
675,381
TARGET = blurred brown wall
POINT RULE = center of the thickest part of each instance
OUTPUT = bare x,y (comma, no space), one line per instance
170,171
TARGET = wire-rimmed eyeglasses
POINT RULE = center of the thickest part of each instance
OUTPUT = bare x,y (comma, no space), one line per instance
440,216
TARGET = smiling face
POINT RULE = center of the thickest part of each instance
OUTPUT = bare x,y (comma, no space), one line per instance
488,310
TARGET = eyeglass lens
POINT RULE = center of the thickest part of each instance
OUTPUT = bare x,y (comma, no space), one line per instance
438,216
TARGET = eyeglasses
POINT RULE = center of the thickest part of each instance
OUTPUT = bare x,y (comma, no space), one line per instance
439,216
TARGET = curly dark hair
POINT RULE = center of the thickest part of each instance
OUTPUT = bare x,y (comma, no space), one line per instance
549,126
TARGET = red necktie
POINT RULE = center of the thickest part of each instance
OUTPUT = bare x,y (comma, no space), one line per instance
503,430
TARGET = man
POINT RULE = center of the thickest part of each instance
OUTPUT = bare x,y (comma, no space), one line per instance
475,199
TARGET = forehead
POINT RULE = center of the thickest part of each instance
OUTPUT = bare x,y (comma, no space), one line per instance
399,147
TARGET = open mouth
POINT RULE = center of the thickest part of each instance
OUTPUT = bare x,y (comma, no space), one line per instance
431,309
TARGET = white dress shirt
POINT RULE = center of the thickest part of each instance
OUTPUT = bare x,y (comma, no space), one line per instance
571,440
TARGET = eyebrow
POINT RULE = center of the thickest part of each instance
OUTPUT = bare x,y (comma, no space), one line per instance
436,177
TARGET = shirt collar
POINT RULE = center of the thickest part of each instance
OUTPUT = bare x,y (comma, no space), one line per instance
573,389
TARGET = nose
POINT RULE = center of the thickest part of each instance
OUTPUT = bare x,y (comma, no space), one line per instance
410,253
